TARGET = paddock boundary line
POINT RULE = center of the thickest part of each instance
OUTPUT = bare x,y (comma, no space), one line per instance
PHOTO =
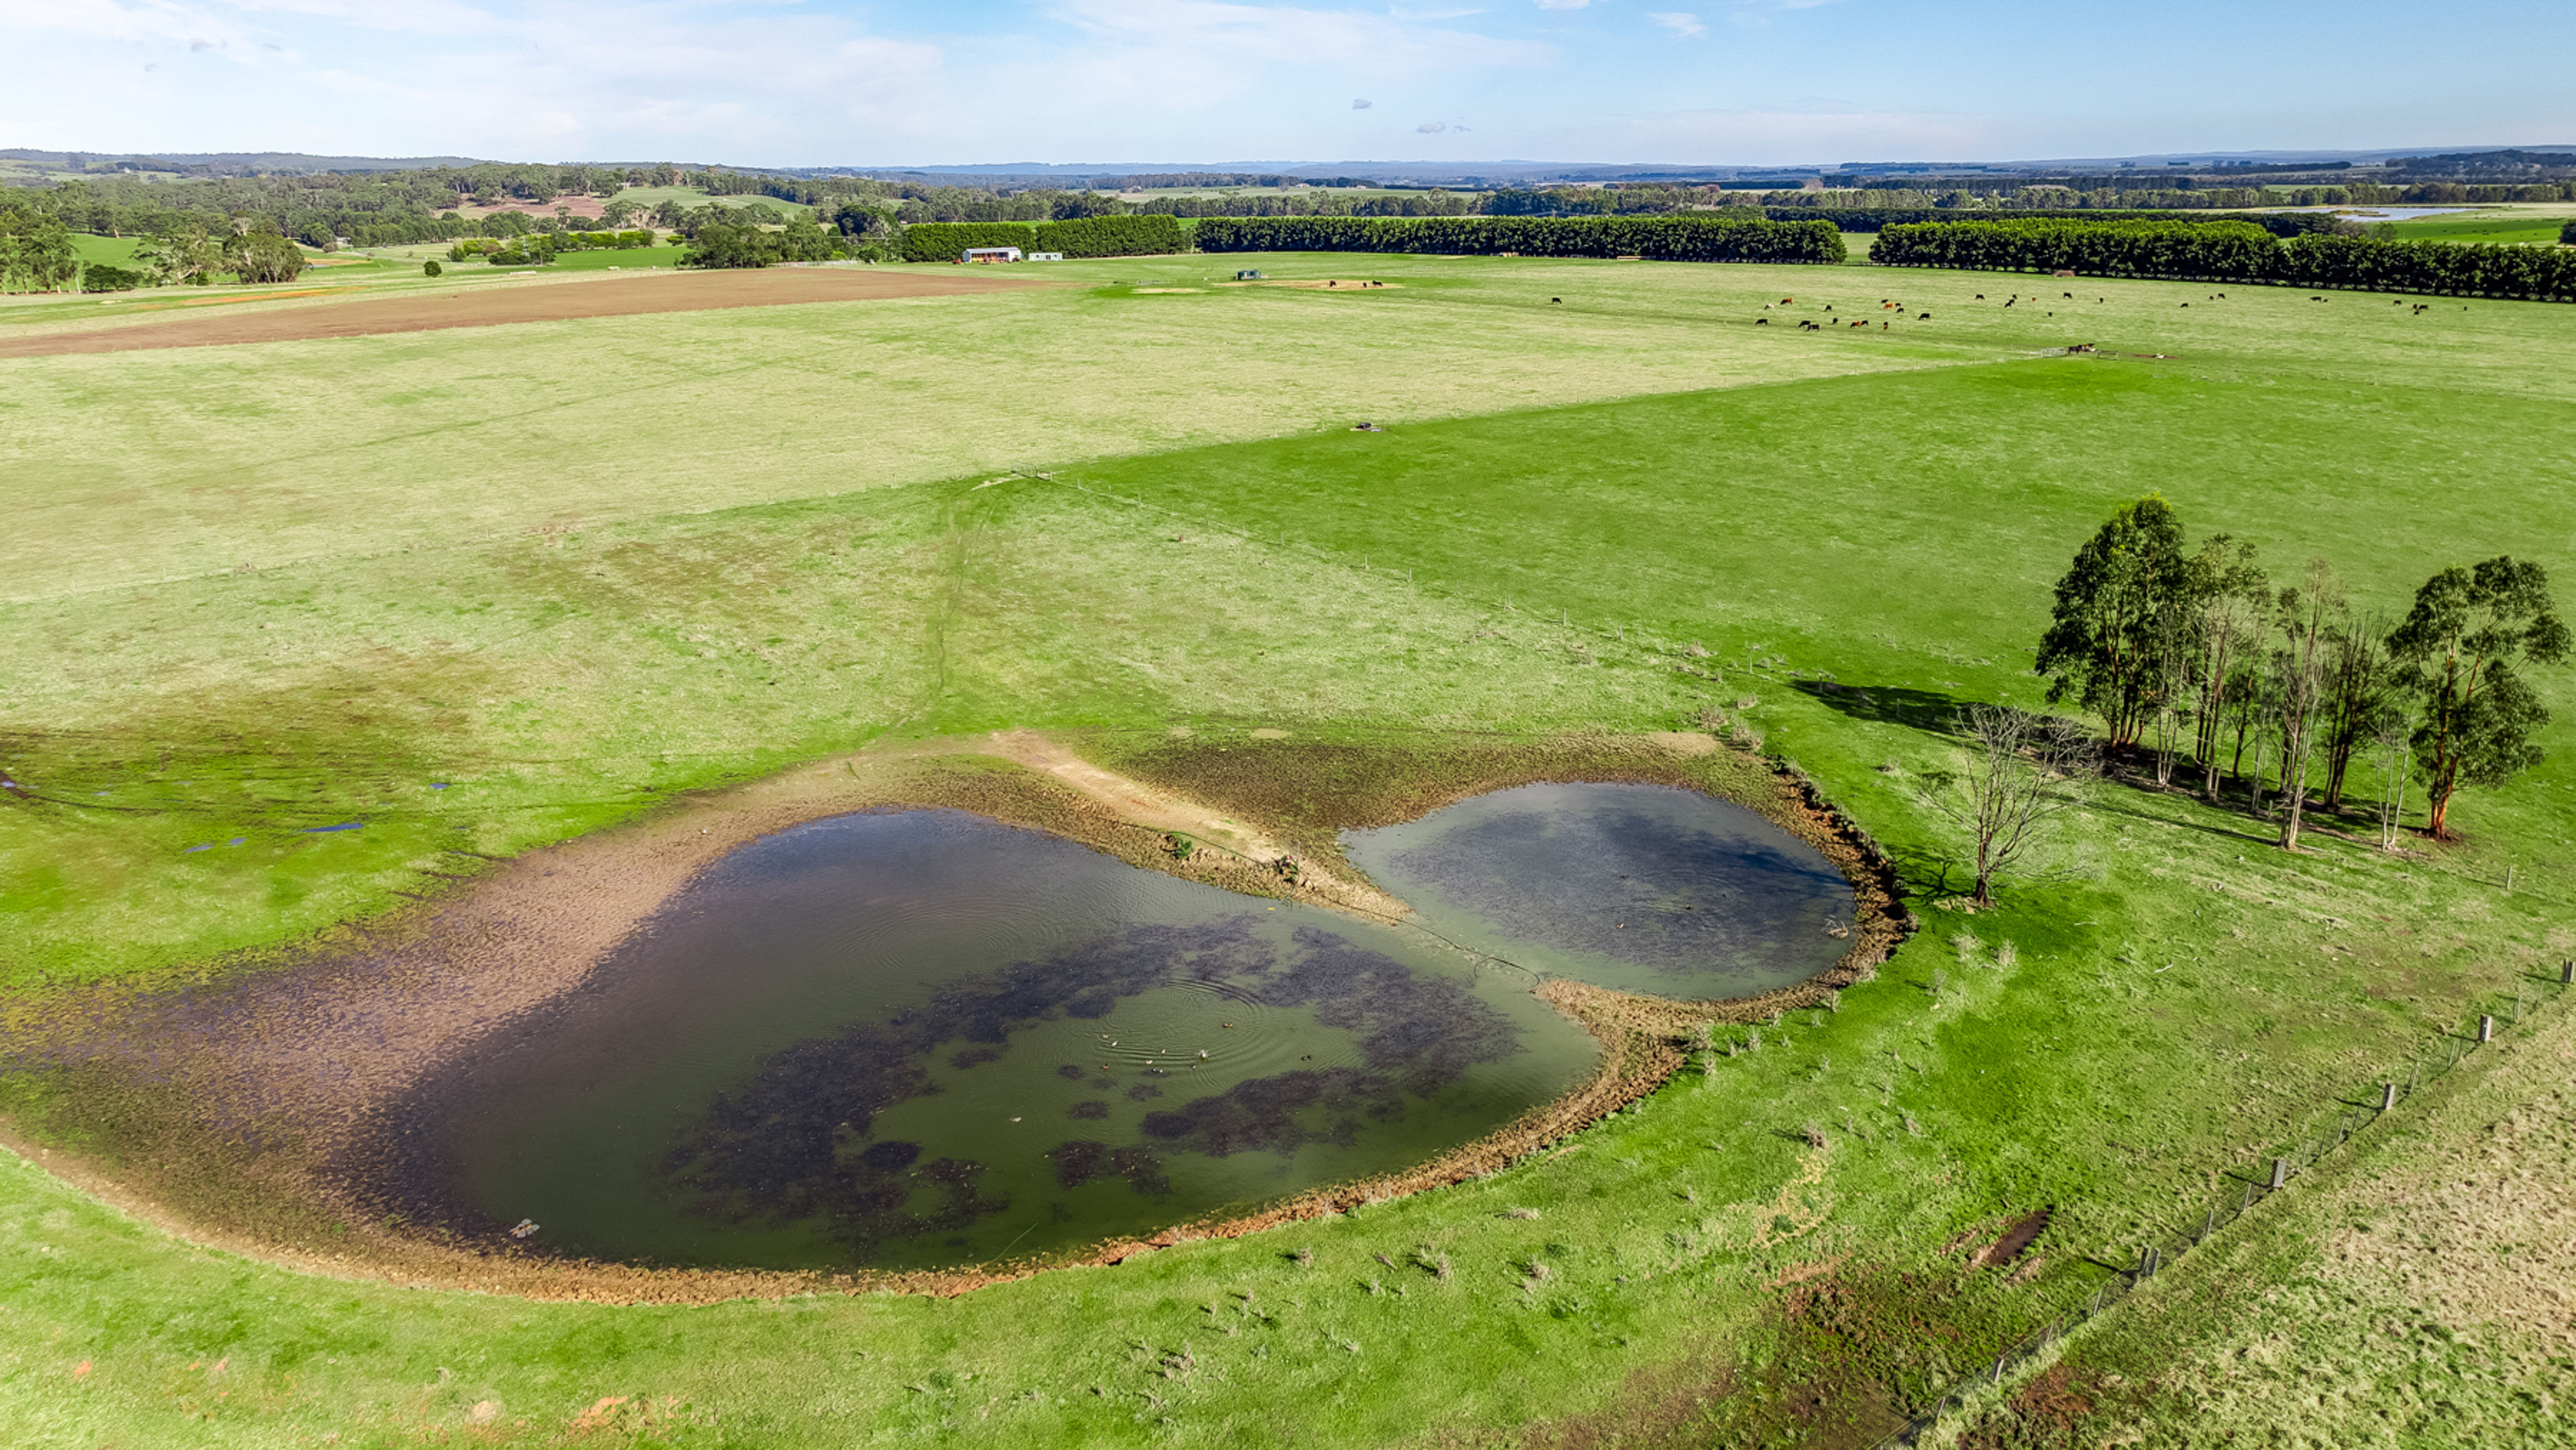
2489,1016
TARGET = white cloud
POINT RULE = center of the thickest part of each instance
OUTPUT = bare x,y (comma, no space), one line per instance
1431,127
1361,105
1562,4
1679,22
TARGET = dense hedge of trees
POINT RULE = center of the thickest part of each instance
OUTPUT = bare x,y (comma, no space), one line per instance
1113,236
1663,238
946,241
2230,251
2233,252
1872,219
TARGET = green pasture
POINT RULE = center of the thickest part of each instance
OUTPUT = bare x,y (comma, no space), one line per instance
105,251
649,197
2515,225
567,569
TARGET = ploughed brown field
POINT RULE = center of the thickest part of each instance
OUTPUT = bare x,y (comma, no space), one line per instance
490,304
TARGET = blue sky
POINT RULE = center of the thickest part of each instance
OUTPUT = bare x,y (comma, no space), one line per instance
825,82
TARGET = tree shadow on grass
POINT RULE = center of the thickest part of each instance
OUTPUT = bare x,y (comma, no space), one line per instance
1934,712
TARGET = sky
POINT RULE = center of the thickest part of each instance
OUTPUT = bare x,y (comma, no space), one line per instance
1673,82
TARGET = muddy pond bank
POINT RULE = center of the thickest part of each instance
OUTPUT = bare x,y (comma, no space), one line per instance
244,1111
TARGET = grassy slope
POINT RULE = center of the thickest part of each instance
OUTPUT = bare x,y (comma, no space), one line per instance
2411,1294
1898,531
2528,224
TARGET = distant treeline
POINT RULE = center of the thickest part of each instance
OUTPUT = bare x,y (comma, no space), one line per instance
387,208
2232,252
1119,236
1662,238
2278,223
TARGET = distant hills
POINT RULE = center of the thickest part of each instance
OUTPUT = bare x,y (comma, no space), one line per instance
228,162
2501,163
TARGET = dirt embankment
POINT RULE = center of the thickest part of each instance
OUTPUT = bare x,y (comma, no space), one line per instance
220,1109
494,303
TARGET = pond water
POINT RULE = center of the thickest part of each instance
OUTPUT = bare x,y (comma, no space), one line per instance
921,1039
1645,888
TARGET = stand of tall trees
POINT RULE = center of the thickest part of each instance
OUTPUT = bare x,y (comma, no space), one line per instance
2281,686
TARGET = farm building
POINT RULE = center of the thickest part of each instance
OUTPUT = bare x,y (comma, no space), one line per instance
1046,256
991,254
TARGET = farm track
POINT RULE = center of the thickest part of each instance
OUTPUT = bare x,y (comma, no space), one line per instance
488,304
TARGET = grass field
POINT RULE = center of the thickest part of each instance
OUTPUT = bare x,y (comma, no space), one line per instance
570,569
2525,225
649,197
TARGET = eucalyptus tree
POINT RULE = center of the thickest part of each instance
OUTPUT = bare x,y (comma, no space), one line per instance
2361,681
2111,614
2308,614
2457,651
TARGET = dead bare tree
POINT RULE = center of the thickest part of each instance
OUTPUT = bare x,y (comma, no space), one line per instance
2392,740
2228,624
2309,612
2023,771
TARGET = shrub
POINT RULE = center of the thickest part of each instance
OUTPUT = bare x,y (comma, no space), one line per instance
1109,236
945,241
1662,238
431,268
100,277
2567,234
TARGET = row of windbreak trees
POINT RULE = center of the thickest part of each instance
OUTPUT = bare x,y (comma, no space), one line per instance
1105,236
1697,238
2200,657
2233,252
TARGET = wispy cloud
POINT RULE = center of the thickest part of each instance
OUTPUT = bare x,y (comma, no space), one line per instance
1679,22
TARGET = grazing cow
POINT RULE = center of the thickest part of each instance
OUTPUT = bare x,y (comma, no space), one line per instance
1981,296
1923,317
1553,300
1762,322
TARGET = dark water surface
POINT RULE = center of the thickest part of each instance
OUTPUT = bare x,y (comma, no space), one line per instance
1645,888
920,1039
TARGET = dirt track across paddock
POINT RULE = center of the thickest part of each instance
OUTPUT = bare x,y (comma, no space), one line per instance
491,304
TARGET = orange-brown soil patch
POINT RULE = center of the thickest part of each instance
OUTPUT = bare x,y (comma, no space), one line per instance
492,304
228,1110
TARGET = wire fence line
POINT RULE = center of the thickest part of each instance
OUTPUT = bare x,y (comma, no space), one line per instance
2255,1182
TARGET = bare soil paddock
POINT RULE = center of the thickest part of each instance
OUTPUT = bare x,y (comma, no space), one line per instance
491,304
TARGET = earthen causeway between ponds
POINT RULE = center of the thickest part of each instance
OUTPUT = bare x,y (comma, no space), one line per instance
249,1111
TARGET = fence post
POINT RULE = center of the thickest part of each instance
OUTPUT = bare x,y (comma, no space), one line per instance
2387,1097
2280,1171
2249,1197
2208,1226
2567,972
2486,1029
